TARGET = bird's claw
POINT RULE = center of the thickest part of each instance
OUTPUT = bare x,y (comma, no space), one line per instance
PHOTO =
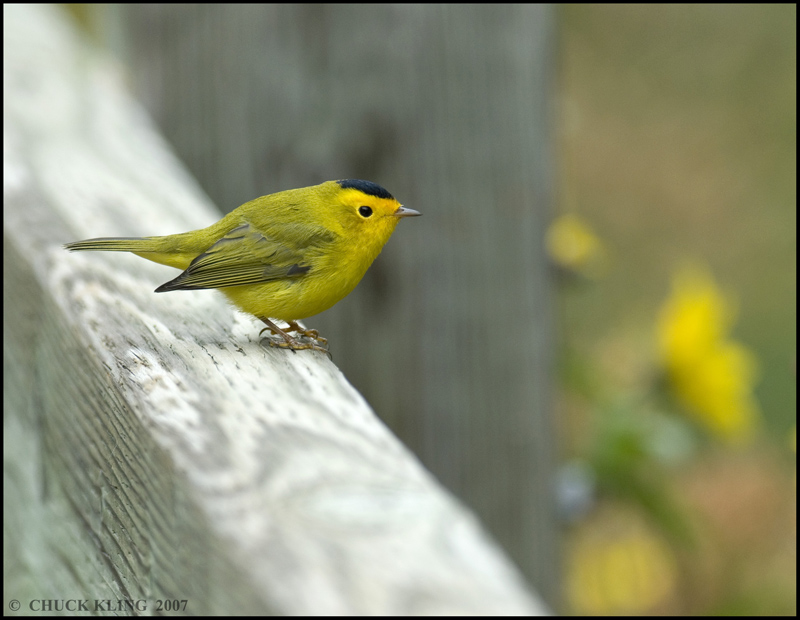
293,344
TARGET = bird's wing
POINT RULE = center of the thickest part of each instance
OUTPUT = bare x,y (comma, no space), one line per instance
246,255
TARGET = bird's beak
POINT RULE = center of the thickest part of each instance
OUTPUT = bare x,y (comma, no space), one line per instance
404,212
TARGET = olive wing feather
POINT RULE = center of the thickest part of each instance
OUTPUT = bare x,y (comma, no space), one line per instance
246,255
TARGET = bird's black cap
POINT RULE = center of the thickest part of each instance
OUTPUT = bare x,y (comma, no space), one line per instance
368,187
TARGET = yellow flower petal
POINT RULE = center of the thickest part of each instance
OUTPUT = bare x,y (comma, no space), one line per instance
711,375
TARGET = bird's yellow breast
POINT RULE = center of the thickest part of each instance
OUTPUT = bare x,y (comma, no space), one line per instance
334,273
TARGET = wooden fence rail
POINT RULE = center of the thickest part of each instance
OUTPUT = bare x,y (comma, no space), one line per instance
156,452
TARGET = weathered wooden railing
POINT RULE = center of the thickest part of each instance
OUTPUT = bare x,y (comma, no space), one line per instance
157,454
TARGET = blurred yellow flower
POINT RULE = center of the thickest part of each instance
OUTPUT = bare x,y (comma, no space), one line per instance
712,375
612,573
572,245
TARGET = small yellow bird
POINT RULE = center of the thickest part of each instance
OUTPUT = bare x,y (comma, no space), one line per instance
288,255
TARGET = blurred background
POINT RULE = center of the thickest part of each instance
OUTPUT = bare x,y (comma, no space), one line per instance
589,337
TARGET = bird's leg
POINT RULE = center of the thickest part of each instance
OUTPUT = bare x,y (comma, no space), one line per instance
289,342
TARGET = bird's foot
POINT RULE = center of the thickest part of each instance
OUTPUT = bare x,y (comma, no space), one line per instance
308,333
292,343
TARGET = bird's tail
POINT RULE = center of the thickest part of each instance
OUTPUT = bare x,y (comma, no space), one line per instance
163,250
115,244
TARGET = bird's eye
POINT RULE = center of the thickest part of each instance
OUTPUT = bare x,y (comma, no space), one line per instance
365,211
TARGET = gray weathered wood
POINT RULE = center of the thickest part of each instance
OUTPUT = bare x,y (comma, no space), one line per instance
448,107
154,448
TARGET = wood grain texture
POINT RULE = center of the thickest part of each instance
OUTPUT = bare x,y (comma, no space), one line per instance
155,448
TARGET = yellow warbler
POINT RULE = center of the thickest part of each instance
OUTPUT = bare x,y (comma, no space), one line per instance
288,255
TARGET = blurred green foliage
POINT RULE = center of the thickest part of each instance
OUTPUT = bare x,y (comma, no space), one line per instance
678,145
